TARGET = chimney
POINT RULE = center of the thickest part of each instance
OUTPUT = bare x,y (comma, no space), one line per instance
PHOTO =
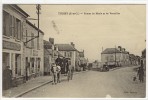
83,51
72,44
51,40
120,48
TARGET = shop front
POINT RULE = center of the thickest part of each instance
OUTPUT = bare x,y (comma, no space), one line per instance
12,61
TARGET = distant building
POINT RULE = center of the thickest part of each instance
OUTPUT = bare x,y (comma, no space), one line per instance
48,56
111,56
134,60
77,62
68,51
115,56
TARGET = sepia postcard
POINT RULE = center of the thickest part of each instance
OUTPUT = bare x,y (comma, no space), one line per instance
73,51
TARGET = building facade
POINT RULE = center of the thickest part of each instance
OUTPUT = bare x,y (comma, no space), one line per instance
24,57
14,21
48,56
33,51
115,56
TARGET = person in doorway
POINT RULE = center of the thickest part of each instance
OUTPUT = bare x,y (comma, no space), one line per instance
58,73
7,78
54,73
140,73
27,71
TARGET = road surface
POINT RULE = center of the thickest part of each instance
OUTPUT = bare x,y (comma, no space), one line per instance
93,84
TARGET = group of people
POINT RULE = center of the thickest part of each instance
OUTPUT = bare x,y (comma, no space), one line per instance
56,70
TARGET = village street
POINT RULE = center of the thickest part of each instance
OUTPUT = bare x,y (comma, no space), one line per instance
116,83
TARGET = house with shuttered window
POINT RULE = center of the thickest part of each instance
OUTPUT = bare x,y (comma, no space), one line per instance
14,21
24,58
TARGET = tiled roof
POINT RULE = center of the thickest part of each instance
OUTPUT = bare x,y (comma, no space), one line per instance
65,47
47,45
110,51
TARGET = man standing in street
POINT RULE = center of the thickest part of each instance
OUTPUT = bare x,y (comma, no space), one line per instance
70,71
7,78
141,74
54,73
58,73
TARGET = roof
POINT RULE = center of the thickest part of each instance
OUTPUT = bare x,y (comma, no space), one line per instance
126,52
16,7
132,56
110,51
65,47
47,44
34,26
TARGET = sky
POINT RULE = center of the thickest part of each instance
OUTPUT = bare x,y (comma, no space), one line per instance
106,26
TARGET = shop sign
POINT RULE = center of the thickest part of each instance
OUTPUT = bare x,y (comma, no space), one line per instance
11,46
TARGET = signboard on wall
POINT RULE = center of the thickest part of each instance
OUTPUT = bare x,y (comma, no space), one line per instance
11,46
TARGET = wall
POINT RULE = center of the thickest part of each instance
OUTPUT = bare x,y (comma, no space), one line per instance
13,40
32,51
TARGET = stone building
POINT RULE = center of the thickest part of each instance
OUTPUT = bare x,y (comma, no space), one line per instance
48,56
33,51
115,56
24,57
14,21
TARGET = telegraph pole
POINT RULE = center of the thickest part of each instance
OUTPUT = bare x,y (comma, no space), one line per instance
115,55
38,7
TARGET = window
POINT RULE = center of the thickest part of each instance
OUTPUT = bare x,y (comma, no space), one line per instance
18,29
32,41
18,64
65,54
6,27
26,35
70,54
32,65
38,45
11,26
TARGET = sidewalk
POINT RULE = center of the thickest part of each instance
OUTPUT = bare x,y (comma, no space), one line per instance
27,87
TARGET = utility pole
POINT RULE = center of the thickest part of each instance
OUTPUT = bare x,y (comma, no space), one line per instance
115,55
38,7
